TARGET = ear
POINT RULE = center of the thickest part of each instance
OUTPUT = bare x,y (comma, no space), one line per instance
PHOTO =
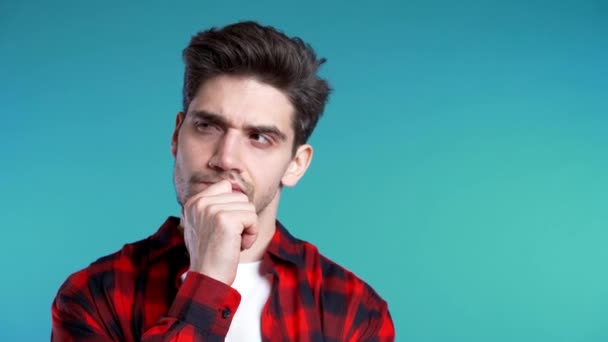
179,119
298,165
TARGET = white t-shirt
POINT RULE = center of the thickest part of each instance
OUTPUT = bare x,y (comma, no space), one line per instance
254,288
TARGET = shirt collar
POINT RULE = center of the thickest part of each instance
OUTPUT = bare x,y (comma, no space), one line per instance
169,237
285,247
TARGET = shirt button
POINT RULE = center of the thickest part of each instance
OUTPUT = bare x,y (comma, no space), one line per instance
226,313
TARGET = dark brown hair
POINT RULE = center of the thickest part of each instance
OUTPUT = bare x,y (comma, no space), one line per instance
249,49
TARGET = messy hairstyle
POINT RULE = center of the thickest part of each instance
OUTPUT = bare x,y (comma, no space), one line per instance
250,49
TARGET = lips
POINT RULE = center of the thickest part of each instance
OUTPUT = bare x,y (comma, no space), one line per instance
236,188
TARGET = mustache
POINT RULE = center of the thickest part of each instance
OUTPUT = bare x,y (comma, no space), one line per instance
201,177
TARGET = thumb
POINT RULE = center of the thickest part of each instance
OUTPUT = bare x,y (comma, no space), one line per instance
250,234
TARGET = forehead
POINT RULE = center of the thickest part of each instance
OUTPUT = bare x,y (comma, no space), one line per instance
243,100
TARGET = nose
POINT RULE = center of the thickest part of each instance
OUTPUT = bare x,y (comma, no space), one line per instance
226,156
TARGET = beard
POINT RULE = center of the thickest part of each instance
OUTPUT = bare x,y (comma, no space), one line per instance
190,185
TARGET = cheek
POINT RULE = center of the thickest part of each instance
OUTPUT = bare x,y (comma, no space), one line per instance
190,157
268,173
182,172
180,166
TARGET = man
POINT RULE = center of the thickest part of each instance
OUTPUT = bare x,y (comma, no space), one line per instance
227,269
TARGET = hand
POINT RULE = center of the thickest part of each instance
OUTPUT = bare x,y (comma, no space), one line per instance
218,225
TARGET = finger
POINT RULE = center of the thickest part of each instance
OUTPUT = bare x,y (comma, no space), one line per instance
248,239
233,197
229,208
250,232
235,219
221,187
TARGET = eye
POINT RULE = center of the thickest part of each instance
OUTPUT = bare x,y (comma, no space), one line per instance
260,139
205,126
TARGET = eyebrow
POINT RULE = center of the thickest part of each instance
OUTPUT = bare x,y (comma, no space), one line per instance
219,120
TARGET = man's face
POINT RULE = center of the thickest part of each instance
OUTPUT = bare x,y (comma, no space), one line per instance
238,129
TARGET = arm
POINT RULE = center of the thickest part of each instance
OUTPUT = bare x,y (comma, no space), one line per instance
377,326
380,328
198,313
218,224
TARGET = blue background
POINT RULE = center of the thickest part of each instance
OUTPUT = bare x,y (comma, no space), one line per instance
461,167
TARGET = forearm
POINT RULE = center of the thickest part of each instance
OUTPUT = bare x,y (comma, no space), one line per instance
202,311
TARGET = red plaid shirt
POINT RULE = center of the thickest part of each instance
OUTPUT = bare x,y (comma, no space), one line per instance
136,294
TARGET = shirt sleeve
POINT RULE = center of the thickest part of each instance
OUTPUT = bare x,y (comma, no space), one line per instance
373,321
380,327
202,311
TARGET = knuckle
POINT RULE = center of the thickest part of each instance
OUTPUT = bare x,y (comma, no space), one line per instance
221,218
201,203
188,205
209,210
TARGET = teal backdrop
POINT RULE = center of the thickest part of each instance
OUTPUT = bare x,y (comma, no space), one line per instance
461,166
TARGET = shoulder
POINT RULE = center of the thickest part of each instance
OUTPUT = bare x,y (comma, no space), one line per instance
329,280
96,294
104,271
126,262
338,285
349,307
